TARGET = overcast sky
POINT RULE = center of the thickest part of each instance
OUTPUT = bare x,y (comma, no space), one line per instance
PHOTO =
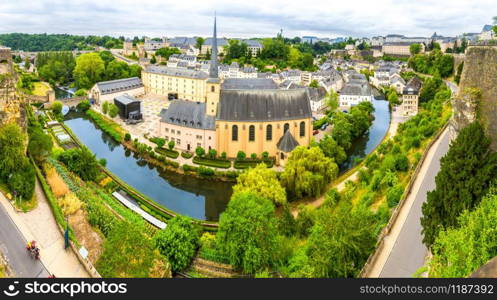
247,18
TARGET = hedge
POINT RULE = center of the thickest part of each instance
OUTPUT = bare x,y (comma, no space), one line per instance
167,152
107,126
216,163
186,155
245,164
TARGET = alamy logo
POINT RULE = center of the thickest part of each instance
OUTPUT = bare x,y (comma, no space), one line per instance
11,290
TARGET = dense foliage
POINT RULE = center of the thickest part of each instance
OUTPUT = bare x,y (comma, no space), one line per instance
82,162
178,242
56,67
457,252
262,182
247,232
435,63
464,177
57,42
307,172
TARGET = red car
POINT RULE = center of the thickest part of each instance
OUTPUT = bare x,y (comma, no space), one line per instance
315,132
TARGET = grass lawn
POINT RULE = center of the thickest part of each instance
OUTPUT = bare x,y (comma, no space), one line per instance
40,88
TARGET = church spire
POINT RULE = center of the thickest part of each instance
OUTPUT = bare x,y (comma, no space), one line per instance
213,71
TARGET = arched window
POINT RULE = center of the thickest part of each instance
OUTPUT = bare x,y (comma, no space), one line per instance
302,129
234,133
213,89
269,132
286,127
251,133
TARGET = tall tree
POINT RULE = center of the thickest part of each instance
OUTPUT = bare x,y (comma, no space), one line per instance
90,68
247,232
464,177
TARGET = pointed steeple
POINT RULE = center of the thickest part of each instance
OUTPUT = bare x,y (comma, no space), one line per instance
213,71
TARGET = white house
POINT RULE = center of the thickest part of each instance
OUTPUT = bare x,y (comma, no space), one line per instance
108,90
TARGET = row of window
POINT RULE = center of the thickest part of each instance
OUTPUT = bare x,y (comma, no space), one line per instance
177,141
269,131
173,131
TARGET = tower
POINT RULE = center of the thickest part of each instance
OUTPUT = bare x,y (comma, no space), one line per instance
213,83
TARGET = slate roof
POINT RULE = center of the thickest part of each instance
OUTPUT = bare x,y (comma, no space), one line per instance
264,105
413,86
356,89
487,28
316,94
119,85
248,84
180,72
188,114
287,142
221,42
126,99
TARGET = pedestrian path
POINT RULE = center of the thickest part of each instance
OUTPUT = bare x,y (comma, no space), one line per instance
39,225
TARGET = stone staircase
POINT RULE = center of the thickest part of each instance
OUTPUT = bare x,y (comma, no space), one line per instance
212,269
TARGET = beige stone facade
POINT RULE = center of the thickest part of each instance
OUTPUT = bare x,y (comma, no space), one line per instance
409,106
260,143
186,138
181,87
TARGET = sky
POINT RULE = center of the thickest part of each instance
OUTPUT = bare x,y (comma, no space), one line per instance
247,18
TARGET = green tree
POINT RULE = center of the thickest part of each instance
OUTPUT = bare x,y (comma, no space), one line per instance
314,84
457,252
153,60
171,145
22,181
415,49
90,68
166,52
105,107
200,151
128,253
262,182
331,149
82,162
247,232
12,142
464,177
40,145
113,110
308,171
178,242
199,42
57,107
341,241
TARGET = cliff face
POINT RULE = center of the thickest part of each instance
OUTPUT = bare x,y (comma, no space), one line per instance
477,96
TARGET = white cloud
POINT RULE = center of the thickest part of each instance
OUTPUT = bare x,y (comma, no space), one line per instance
246,18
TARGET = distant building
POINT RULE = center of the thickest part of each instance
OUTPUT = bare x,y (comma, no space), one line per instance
400,48
128,48
153,45
309,39
207,46
355,91
487,33
410,97
317,98
108,90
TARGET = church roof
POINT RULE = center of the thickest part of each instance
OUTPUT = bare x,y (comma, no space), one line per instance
249,84
180,72
264,105
287,142
188,114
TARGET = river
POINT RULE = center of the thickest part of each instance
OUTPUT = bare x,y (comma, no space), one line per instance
186,195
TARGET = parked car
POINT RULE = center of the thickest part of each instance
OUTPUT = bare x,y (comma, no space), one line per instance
315,132
324,126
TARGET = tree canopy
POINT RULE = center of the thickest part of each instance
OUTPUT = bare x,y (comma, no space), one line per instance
308,171
262,182
90,69
464,177
247,232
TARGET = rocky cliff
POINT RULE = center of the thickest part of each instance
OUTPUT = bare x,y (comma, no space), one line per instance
477,98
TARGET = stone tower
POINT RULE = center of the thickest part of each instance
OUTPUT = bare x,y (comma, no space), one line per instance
213,83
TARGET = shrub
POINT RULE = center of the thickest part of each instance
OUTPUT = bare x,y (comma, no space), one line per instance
200,151
160,142
216,163
57,184
178,242
84,105
265,155
168,152
113,110
212,153
253,156
171,145
127,137
81,93
70,204
203,171
241,155
22,180
394,194
102,162
332,198
105,107
186,155
223,155
57,107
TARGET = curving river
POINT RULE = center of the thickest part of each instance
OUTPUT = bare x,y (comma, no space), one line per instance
186,195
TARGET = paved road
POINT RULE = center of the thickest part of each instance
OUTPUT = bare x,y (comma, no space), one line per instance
408,253
12,245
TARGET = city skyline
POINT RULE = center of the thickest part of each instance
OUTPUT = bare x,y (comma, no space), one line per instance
240,19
